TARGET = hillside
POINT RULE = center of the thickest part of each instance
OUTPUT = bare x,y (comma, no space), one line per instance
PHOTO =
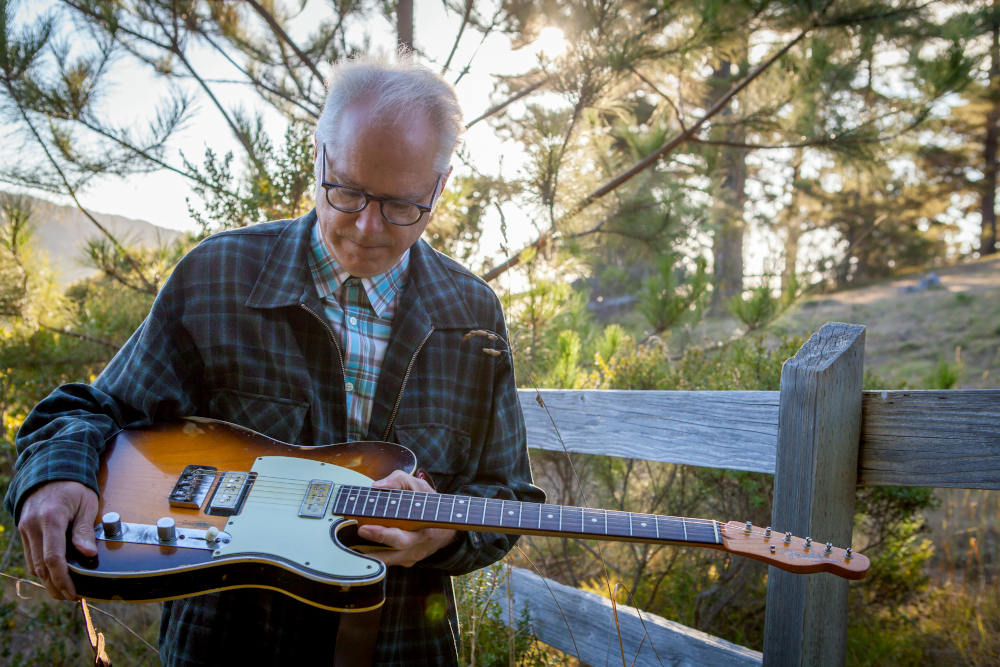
60,233
909,330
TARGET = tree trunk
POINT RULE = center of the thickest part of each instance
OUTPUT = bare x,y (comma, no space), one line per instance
987,207
793,229
404,23
727,212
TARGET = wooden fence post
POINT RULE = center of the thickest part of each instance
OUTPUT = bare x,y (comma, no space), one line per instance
819,427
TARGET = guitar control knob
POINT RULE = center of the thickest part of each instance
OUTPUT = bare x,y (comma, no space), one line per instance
112,524
212,535
166,530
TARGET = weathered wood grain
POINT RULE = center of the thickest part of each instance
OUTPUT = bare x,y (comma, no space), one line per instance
717,429
931,438
582,625
909,438
815,483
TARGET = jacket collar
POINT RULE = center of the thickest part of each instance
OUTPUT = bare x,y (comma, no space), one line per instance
431,295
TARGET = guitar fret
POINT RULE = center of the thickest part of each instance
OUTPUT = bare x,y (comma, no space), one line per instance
409,510
423,504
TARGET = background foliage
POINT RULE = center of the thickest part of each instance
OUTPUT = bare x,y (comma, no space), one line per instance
691,180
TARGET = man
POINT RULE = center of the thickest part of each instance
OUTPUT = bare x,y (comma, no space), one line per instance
340,325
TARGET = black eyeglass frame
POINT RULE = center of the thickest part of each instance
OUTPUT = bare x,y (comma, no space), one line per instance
328,185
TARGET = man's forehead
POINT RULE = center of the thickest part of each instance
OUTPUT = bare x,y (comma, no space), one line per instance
346,168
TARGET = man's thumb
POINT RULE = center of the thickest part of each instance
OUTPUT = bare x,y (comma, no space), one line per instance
83,528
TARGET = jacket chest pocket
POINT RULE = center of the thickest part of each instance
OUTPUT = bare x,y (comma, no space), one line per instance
442,451
278,418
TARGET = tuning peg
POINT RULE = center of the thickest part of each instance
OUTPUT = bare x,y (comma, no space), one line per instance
809,542
788,537
850,553
829,548
767,533
748,527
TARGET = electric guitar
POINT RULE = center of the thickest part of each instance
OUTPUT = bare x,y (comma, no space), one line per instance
203,505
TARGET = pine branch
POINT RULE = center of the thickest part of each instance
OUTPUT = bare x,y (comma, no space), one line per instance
145,284
510,100
81,336
283,36
652,158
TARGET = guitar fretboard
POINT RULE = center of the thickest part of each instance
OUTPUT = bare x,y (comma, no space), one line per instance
514,516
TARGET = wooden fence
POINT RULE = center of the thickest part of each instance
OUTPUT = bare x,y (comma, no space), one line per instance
820,435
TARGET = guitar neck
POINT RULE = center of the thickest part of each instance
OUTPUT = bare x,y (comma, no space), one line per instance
413,509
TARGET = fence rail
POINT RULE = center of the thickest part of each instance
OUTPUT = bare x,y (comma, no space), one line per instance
820,435
908,438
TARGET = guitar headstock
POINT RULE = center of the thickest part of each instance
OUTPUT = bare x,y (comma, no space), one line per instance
795,554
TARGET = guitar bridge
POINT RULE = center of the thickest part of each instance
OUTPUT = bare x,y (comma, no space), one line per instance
192,486
230,493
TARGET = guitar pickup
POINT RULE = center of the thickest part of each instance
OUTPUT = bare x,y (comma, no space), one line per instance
314,501
230,493
192,486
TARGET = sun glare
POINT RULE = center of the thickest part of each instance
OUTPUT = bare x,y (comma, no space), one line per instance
551,42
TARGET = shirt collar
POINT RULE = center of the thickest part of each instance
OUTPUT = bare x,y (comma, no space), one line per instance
383,290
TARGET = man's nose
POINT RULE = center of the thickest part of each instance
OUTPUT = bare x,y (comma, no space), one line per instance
369,218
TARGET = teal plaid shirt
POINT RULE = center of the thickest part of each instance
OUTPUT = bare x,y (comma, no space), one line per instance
238,334
360,311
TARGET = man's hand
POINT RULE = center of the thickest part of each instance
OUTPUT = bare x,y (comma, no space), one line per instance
45,516
406,546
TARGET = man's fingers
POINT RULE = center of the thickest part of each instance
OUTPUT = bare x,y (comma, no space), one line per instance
54,557
401,480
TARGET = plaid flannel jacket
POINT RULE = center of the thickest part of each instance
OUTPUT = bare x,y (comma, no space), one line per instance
237,334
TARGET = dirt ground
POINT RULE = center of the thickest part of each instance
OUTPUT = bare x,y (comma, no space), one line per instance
911,329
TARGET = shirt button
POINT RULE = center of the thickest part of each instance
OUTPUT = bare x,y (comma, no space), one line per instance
349,386
354,321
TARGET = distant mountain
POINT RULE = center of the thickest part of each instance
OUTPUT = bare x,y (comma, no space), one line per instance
61,232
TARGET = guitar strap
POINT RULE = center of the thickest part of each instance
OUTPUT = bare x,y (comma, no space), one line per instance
356,638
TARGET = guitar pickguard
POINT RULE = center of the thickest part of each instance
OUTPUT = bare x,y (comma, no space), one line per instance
272,524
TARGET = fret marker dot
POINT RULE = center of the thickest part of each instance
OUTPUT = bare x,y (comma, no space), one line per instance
461,502
392,502
548,516
643,524
459,515
371,500
510,512
593,521
417,504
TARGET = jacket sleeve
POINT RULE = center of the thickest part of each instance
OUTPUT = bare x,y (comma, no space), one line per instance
503,472
149,379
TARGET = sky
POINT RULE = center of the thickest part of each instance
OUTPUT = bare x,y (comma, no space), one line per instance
160,197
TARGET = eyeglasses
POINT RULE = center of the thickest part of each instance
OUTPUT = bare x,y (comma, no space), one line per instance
400,212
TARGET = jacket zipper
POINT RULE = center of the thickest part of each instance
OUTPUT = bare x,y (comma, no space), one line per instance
402,386
333,339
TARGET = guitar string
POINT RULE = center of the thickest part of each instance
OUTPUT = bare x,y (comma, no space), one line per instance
293,488
275,490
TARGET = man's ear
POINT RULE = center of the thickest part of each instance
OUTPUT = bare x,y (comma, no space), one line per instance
444,182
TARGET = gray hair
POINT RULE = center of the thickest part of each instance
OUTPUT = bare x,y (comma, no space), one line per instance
395,90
